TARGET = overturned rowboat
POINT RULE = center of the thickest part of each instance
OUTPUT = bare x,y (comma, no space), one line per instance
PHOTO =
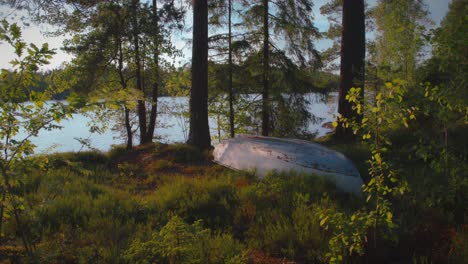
265,154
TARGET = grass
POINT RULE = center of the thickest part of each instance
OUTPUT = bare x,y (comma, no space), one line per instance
93,207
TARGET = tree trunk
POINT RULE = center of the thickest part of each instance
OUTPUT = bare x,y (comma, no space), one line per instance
199,134
123,83
2,206
139,86
19,223
353,49
128,127
231,93
154,99
266,73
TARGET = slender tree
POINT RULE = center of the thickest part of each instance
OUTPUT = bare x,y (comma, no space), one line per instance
123,83
353,50
157,77
266,72
101,53
199,134
222,43
157,33
120,36
137,64
291,22
451,48
231,92
400,25
333,11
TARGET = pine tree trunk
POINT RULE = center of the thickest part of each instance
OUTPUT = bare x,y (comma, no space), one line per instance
128,127
141,103
231,92
353,49
199,134
2,206
266,73
123,83
154,99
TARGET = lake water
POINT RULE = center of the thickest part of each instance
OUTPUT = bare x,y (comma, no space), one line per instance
172,127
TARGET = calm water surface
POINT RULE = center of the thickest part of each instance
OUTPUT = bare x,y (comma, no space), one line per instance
172,127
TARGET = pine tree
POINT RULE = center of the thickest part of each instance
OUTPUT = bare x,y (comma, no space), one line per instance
221,17
199,134
400,25
116,38
353,49
291,23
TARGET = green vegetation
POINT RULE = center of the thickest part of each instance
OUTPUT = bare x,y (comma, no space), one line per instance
178,207
159,203
85,207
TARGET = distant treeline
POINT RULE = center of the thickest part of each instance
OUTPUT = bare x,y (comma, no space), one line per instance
317,81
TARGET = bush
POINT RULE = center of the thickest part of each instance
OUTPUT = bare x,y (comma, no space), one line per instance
211,200
178,242
73,220
130,170
160,165
297,236
279,190
116,152
182,153
88,158
459,248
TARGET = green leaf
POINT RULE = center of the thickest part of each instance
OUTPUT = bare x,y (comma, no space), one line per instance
389,216
405,122
323,221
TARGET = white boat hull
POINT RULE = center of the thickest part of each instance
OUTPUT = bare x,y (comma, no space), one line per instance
265,154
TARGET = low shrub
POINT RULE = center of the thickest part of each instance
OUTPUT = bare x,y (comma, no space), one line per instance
211,200
179,242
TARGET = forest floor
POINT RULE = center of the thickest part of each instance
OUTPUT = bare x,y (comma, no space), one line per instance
92,207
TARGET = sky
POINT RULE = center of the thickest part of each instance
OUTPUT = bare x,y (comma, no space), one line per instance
34,33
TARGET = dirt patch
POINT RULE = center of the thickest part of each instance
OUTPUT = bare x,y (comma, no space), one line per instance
174,159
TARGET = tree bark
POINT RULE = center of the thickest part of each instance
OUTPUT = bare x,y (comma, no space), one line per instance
154,99
2,206
353,49
266,73
123,83
128,128
199,135
141,103
231,92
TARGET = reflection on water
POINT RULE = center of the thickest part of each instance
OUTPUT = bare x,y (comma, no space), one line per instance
172,126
